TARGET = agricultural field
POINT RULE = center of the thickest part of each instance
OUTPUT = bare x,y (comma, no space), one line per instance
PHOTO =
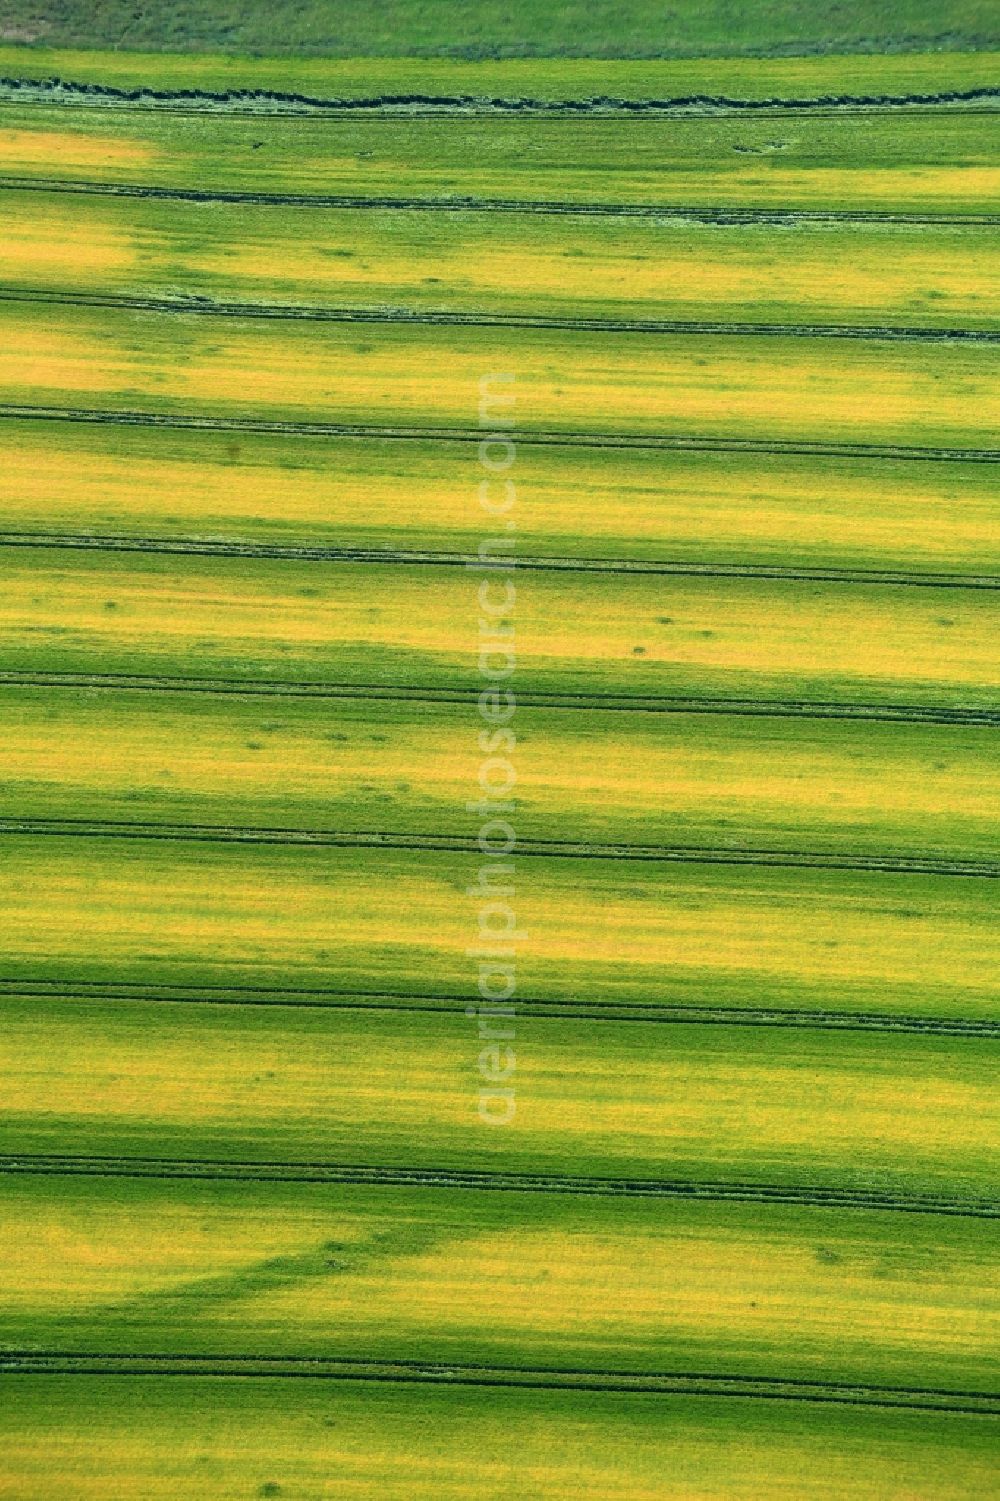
237,1266
308,1196
186,905
734,386
280,622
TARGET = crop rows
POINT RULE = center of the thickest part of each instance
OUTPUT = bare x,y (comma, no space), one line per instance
743,1214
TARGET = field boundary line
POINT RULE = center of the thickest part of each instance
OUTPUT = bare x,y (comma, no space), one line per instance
408,1371
659,442
465,203
445,318
538,562
590,702
473,1180
273,102
540,1007
554,849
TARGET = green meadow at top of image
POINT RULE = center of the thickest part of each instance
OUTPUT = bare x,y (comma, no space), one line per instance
489,28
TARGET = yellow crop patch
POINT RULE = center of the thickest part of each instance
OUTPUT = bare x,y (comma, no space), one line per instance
44,244
70,152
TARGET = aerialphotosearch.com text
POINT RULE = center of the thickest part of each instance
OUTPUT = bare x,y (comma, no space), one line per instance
497,934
